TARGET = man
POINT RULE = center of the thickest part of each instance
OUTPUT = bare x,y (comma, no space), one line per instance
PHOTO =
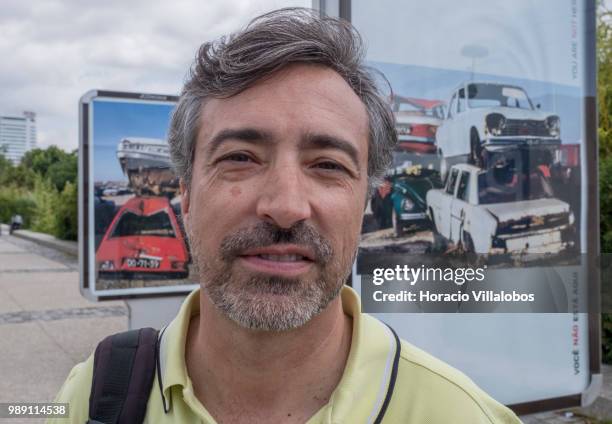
279,136
16,222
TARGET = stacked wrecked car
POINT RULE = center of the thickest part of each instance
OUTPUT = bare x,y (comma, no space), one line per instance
495,178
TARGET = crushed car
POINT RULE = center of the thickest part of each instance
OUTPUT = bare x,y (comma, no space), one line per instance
409,199
500,210
144,241
484,117
416,123
400,201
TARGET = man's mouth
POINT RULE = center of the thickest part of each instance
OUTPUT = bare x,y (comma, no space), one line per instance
282,260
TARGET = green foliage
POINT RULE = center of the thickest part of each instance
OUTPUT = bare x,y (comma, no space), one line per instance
14,200
18,176
52,163
604,93
66,216
42,189
605,202
606,338
5,164
604,81
63,172
46,198
56,212
39,160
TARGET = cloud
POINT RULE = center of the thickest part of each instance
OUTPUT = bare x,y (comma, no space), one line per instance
54,51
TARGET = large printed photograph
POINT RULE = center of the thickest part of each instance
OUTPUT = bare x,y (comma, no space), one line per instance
492,158
139,236
487,163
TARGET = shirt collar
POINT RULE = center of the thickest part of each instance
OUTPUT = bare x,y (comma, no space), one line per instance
172,347
367,374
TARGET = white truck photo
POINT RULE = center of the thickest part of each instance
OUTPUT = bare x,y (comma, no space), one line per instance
492,117
489,212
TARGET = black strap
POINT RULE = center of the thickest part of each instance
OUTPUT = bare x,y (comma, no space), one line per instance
391,387
124,370
159,373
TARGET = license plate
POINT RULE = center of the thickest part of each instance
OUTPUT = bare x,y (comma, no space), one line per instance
141,263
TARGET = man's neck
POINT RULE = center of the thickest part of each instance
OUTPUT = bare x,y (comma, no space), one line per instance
242,375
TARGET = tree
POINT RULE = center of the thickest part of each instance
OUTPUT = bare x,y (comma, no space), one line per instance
604,80
604,93
45,197
39,160
52,163
18,176
16,201
5,165
63,172
66,217
605,202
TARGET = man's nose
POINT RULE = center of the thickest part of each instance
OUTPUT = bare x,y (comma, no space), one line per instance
283,200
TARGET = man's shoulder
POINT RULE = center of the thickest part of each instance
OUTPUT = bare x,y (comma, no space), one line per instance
419,387
424,365
116,377
438,384
75,391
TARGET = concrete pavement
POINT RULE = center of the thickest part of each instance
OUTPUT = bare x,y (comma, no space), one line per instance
68,247
599,412
46,326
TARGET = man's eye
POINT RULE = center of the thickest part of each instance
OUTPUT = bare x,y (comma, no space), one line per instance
330,166
237,157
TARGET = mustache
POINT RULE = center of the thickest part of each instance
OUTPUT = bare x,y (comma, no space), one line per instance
264,234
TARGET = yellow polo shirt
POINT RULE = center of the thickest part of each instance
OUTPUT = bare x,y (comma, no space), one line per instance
409,386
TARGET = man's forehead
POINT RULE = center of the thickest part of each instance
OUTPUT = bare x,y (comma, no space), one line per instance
307,98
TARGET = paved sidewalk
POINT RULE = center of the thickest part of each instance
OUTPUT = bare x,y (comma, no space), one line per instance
46,326
598,412
68,247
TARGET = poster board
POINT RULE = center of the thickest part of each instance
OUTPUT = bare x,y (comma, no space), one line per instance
464,80
132,242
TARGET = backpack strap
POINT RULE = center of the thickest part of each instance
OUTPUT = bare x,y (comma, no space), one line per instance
392,378
124,370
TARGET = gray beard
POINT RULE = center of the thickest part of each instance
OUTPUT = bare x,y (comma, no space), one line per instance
269,303
264,302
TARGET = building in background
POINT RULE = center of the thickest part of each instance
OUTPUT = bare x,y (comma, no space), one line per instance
17,135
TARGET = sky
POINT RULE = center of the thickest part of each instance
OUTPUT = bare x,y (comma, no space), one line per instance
53,51
534,39
115,120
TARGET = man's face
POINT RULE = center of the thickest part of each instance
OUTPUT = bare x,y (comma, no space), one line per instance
276,200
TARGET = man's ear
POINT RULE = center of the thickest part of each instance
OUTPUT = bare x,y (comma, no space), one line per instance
184,200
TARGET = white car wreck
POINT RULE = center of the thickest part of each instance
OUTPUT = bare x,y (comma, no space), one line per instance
488,212
492,117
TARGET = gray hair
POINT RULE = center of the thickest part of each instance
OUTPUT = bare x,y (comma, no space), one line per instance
230,65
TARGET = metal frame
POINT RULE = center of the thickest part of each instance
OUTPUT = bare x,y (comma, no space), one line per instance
86,273
342,9
336,8
591,149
